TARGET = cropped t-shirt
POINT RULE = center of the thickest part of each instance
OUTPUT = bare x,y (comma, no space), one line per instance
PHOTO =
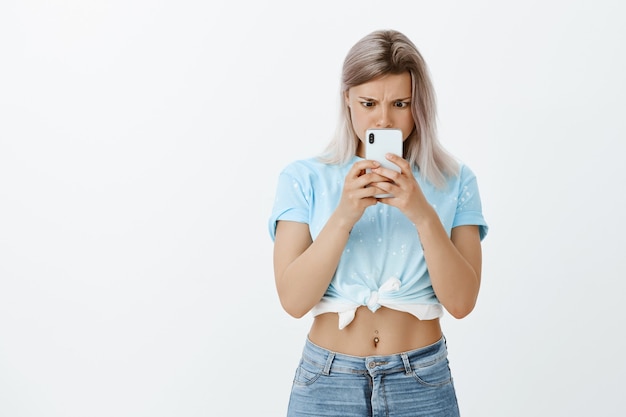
383,261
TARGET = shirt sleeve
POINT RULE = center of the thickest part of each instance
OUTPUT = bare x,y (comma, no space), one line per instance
291,201
469,206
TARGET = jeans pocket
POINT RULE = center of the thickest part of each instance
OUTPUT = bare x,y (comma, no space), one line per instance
307,373
433,374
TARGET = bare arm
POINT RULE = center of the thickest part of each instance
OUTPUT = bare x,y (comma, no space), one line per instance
303,268
454,263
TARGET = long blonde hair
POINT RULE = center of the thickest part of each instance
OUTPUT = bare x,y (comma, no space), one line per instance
391,52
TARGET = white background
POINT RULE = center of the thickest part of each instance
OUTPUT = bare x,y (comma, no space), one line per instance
140,142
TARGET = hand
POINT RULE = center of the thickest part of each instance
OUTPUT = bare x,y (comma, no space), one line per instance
358,192
407,194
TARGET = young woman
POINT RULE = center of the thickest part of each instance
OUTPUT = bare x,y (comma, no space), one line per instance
377,273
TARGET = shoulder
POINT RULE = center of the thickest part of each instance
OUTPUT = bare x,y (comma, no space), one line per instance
308,164
465,186
456,183
463,174
465,171
311,168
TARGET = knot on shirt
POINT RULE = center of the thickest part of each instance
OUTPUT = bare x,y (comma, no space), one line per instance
391,285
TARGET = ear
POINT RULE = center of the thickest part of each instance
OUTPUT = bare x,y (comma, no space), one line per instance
346,98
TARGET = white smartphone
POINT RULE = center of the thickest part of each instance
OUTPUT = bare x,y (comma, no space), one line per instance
379,142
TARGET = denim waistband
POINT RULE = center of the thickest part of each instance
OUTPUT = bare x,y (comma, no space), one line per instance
333,362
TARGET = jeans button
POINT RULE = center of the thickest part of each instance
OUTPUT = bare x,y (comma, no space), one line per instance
372,365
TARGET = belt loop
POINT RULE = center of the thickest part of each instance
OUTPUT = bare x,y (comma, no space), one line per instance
329,362
407,364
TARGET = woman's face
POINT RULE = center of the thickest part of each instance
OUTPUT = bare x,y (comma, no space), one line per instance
384,102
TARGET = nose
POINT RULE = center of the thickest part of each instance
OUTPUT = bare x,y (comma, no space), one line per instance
383,118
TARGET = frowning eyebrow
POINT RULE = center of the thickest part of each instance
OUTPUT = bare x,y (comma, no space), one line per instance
373,99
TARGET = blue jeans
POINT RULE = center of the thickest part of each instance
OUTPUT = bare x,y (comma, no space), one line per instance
415,383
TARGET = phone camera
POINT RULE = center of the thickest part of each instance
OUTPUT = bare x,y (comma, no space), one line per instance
371,138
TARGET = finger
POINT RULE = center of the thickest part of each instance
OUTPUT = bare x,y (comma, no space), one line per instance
385,187
365,182
388,174
361,166
360,178
363,193
399,161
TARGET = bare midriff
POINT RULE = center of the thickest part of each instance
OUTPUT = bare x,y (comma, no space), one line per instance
384,332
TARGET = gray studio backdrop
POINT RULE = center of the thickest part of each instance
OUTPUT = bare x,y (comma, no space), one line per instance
140,143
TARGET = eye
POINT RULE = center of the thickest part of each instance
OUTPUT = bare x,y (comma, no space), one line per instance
367,103
402,104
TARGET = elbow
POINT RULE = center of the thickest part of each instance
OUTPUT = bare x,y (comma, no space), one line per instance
460,310
294,303
459,314
461,303
294,310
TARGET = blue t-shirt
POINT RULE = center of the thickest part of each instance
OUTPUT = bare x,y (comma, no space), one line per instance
383,262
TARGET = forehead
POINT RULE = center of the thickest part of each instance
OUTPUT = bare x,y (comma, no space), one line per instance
389,85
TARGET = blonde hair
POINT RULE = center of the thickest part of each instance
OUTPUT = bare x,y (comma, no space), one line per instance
391,52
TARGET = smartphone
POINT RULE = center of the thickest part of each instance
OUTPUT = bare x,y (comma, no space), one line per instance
379,142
